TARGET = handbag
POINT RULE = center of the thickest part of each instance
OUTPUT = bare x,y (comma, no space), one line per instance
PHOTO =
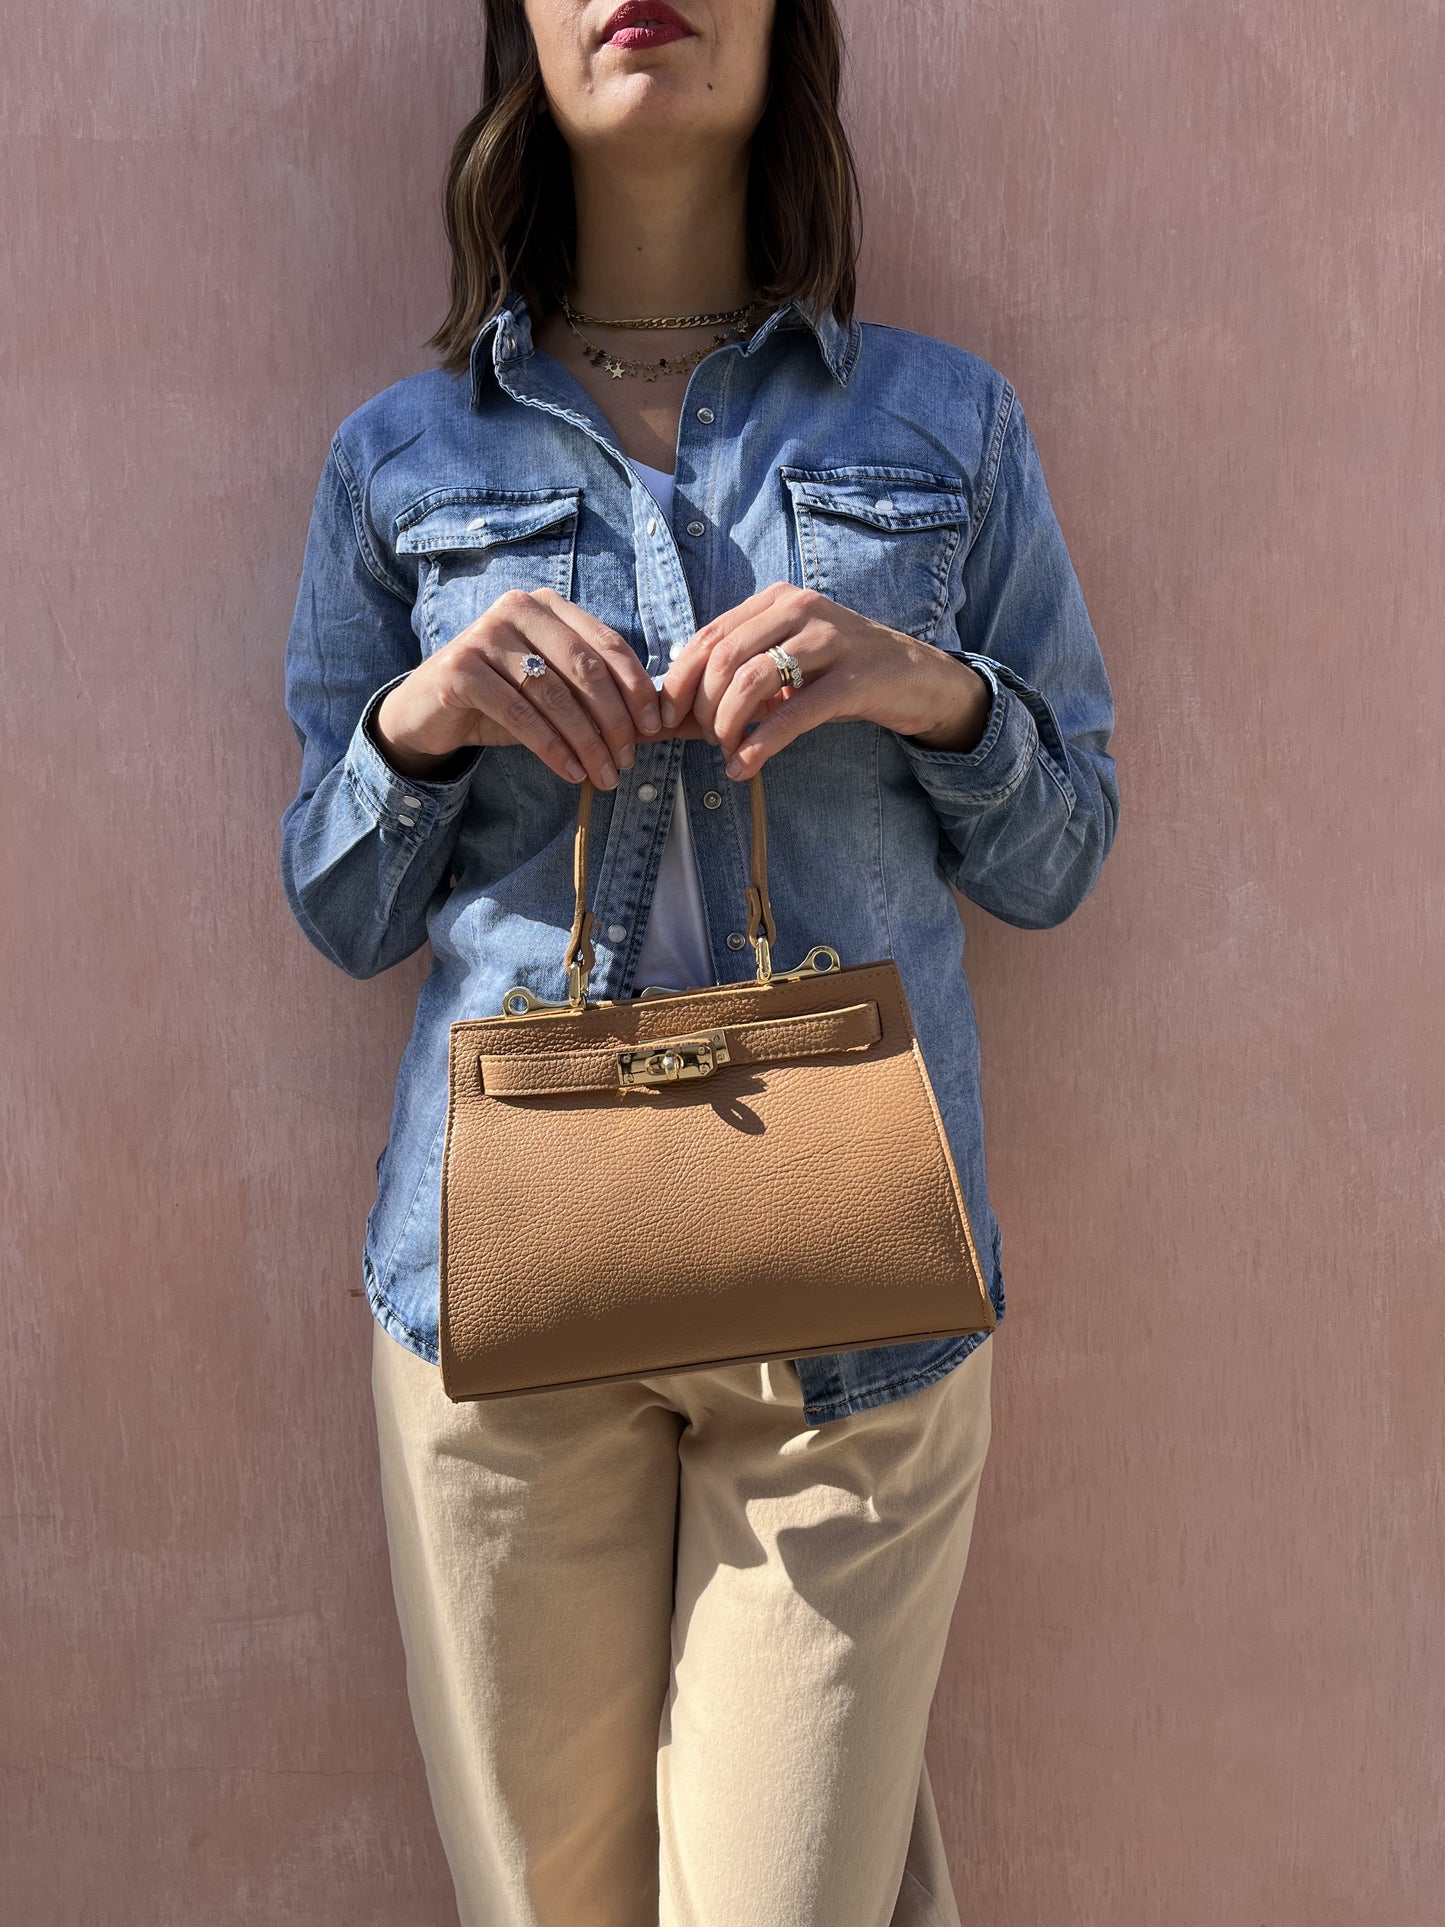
693,1178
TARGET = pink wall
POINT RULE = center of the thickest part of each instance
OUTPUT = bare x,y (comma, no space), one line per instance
1205,244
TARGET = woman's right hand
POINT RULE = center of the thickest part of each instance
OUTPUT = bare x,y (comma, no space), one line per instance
583,717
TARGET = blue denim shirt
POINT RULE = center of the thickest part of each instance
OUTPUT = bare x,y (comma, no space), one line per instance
891,471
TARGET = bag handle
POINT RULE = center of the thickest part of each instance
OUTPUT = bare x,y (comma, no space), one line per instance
761,930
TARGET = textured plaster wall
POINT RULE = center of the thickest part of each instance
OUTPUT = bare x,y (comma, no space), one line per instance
1197,1674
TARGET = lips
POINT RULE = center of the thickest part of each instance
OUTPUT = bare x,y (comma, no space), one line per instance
644,23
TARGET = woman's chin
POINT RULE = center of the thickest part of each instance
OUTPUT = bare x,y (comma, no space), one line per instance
652,110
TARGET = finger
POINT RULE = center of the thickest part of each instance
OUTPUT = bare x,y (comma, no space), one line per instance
677,688
578,694
756,686
739,673
680,683
469,682
783,723
515,625
628,673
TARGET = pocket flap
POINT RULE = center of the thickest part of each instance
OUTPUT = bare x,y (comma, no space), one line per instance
448,519
883,498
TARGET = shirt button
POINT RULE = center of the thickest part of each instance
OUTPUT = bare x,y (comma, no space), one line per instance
736,940
410,821
652,525
412,802
477,522
616,931
647,791
711,799
696,528
675,651
704,414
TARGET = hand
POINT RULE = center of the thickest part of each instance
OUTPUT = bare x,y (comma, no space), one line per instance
856,669
582,718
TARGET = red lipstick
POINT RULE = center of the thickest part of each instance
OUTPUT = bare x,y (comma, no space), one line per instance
644,23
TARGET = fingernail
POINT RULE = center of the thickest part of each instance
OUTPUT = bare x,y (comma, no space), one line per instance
669,714
733,766
650,717
627,757
609,774
575,769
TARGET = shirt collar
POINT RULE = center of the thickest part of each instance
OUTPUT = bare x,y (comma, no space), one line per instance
507,336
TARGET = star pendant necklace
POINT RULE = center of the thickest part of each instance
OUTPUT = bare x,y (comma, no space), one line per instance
733,320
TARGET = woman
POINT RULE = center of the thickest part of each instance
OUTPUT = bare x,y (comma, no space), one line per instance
671,1642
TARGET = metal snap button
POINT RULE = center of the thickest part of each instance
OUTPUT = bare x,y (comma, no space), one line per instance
616,931
410,821
696,528
711,799
647,791
704,414
652,525
736,940
477,522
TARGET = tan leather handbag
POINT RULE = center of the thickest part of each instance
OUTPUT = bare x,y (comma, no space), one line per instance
695,1177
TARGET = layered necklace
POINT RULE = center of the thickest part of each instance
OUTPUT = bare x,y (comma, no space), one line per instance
733,321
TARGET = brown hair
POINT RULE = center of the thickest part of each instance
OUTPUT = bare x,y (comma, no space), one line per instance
512,221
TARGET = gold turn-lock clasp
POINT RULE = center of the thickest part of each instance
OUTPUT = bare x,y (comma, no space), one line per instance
668,1060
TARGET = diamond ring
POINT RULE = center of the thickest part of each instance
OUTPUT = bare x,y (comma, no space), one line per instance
789,668
534,665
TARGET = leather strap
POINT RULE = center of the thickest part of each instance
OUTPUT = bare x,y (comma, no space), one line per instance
759,909
539,1073
579,941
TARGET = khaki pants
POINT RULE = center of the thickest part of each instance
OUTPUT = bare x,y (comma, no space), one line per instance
670,1651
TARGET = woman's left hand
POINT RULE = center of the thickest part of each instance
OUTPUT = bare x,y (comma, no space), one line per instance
854,669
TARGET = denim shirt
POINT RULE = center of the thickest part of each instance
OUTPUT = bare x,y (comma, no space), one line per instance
891,471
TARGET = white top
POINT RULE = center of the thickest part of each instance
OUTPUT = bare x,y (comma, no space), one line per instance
675,950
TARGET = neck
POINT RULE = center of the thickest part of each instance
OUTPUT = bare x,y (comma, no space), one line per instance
668,241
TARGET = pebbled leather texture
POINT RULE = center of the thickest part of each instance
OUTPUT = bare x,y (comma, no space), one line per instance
801,1198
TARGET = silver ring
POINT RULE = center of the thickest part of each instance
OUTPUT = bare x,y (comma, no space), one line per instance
789,668
534,665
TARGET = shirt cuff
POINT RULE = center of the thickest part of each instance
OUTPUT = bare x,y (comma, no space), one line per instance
413,805
1000,759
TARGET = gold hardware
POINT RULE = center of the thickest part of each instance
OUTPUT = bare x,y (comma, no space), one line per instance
519,1003
670,1060
808,968
821,950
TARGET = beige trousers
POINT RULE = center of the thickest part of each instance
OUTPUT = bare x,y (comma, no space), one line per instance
670,1651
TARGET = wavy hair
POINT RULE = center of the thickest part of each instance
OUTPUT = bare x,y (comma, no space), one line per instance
511,218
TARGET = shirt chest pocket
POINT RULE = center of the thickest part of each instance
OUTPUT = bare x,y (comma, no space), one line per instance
475,544
883,541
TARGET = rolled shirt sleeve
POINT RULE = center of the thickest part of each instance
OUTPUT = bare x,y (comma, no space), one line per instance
1027,815
363,847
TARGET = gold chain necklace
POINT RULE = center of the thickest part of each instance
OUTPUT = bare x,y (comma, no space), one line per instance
617,366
